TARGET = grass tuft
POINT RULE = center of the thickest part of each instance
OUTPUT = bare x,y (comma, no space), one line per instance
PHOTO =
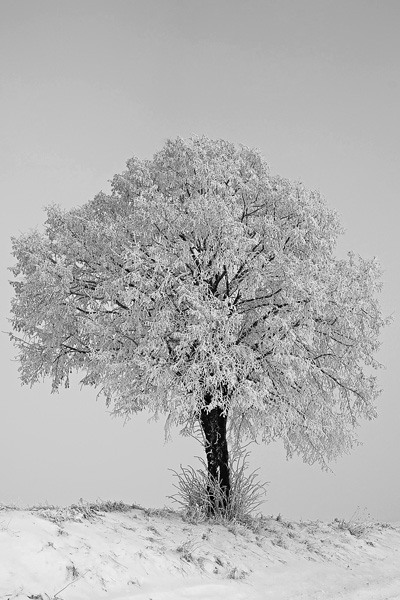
194,486
358,524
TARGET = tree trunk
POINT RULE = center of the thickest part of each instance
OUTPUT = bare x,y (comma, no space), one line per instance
213,424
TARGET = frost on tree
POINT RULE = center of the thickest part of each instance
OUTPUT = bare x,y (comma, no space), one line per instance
205,289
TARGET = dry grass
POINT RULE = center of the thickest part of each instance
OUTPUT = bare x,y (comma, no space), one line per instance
74,512
358,524
194,487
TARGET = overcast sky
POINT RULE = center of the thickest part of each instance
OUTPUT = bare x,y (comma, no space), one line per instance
84,85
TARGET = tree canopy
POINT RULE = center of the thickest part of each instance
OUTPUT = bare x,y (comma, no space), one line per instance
203,281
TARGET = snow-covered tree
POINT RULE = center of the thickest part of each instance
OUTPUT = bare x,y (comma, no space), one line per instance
205,289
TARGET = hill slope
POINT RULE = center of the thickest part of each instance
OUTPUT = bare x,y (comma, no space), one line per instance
111,550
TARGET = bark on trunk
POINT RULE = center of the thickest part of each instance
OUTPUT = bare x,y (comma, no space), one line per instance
213,424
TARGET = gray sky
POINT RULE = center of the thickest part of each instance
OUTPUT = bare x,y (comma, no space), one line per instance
84,85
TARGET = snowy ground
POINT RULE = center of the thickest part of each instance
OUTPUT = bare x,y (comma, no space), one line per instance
86,553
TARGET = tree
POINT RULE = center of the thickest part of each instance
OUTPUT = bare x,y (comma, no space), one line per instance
205,289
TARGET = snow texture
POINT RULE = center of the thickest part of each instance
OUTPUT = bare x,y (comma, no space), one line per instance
83,554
